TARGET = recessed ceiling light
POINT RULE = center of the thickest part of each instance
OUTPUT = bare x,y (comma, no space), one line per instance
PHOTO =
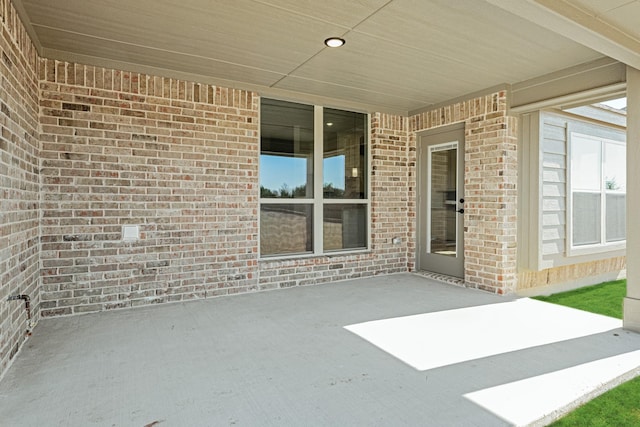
334,42
329,123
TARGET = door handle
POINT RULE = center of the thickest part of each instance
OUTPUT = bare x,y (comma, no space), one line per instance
460,211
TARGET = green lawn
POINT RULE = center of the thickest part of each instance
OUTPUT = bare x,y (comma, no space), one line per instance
620,406
605,298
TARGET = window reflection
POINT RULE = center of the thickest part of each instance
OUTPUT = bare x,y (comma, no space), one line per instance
286,152
344,226
285,229
444,218
344,165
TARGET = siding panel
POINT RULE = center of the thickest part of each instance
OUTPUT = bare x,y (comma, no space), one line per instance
553,247
554,146
554,179
553,175
555,189
551,160
553,233
554,131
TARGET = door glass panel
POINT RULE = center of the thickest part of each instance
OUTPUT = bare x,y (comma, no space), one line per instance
443,199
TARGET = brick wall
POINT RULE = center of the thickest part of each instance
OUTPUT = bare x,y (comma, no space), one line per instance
19,213
176,158
179,160
490,187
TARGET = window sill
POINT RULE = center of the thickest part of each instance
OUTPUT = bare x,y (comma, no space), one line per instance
596,249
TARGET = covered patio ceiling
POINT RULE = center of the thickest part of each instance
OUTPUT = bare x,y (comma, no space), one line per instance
400,55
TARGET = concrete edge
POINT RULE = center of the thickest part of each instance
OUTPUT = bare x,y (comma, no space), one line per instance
559,413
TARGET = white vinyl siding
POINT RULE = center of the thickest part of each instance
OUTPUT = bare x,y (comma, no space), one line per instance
554,179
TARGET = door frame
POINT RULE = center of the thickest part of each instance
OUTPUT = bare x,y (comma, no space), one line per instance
423,141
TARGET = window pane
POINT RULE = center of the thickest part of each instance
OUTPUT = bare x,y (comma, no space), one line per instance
585,163
615,167
286,151
345,159
285,229
586,219
345,227
616,217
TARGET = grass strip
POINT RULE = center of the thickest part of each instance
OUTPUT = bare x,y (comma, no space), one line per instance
620,406
605,298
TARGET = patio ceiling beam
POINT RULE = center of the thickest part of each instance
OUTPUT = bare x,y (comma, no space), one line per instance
589,82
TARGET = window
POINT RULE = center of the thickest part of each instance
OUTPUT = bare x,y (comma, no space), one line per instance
598,191
313,179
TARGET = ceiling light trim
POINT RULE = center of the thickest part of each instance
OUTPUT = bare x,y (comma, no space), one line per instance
334,42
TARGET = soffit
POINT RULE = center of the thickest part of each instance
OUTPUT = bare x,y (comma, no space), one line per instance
401,55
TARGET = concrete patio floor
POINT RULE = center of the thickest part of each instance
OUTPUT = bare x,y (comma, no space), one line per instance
311,356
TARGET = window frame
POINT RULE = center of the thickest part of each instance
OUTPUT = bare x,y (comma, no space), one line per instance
318,201
603,246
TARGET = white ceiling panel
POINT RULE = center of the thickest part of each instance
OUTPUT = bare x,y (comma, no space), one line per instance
355,95
625,18
585,22
241,32
600,7
340,12
400,55
488,39
434,71
431,77
88,47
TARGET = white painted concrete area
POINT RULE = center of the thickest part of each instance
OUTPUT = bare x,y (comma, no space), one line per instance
431,340
527,401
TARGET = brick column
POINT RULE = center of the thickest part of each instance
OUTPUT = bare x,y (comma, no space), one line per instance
491,165
391,209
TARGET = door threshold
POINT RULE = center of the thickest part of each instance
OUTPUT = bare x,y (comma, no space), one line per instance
441,277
